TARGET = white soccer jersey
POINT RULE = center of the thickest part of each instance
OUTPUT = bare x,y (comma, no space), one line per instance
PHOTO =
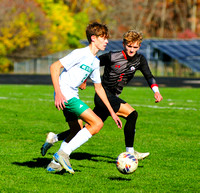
78,65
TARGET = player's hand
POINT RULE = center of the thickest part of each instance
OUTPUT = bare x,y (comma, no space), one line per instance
59,101
158,97
117,120
83,86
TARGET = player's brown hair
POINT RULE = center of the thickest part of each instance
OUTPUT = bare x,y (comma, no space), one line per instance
96,29
132,36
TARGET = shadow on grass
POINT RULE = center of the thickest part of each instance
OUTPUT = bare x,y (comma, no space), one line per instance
37,162
43,162
119,179
93,157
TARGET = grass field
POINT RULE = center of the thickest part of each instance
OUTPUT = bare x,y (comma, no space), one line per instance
168,130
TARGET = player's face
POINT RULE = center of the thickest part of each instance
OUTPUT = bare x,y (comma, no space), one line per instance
131,48
101,42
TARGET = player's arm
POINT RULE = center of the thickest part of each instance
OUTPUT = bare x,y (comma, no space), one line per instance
55,73
150,79
101,93
153,85
157,94
83,85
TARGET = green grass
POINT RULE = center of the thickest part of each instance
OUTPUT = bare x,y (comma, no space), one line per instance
168,130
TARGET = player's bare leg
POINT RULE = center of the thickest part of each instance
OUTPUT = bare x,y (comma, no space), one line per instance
93,122
93,126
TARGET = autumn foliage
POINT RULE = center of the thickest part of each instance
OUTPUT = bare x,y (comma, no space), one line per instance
34,28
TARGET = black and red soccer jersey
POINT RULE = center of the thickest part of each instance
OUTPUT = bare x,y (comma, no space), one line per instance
119,70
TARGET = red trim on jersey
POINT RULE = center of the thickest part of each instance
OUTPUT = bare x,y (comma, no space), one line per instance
124,54
85,80
154,85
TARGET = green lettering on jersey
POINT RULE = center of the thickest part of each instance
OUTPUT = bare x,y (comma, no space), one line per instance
86,68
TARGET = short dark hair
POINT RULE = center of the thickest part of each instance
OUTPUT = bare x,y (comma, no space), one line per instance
96,29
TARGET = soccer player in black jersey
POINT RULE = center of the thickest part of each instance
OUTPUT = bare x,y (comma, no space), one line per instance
120,68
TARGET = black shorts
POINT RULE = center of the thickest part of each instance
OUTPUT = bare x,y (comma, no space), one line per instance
69,116
101,110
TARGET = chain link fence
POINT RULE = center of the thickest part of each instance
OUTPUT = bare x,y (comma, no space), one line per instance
38,65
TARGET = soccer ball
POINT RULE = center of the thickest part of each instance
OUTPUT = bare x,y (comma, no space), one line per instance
126,163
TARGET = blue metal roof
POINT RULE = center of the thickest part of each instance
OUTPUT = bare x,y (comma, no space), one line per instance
186,52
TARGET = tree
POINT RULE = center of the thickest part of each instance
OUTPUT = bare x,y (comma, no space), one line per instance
23,26
163,19
30,29
22,32
67,27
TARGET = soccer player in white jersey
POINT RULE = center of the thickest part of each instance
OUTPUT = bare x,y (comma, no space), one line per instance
78,66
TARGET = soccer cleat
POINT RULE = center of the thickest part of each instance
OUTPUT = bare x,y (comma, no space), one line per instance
62,158
48,143
54,167
141,156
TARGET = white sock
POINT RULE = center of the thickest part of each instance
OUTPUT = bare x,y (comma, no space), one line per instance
63,145
130,149
55,162
79,139
55,138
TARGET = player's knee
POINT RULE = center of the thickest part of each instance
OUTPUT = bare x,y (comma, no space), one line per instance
135,114
98,126
132,116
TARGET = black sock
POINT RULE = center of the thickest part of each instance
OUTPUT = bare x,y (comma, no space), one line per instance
63,135
129,128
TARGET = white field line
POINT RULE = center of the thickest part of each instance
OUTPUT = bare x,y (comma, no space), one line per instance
91,101
158,107
38,99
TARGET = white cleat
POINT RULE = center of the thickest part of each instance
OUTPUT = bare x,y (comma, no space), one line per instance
63,159
54,167
50,137
141,156
50,140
